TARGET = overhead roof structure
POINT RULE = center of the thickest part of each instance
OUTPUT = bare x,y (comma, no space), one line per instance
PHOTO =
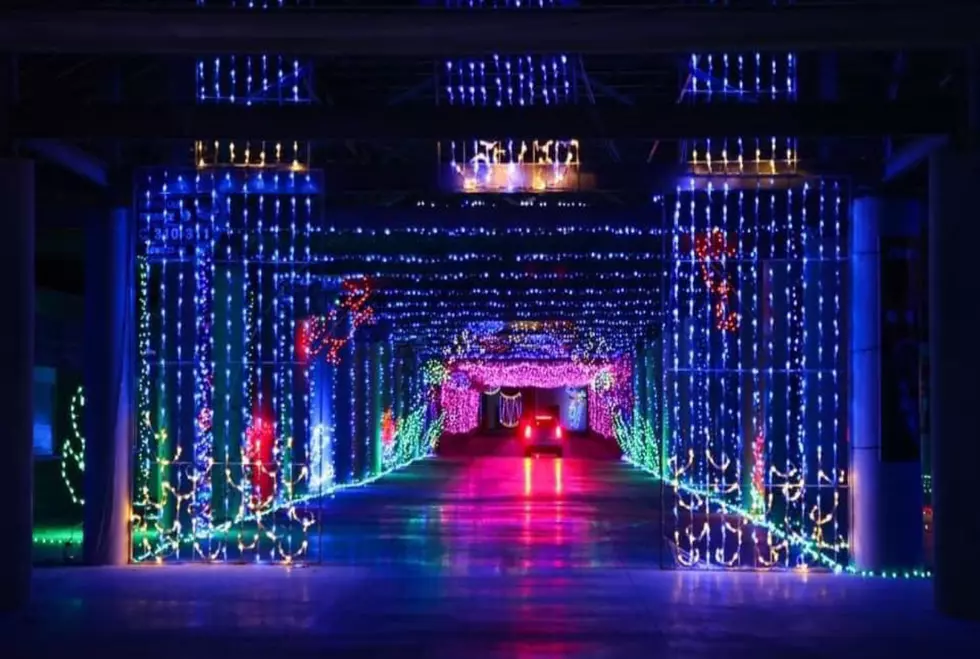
422,31
103,90
635,122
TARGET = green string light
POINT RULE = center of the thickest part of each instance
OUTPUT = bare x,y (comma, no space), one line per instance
73,448
415,439
639,442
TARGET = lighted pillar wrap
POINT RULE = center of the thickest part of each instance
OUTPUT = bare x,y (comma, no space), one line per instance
955,362
377,393
639,380
362,407
110,371
398,374
17,401
322,424
650,402
343,396
886,496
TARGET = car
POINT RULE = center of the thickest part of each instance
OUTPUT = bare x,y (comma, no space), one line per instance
542,433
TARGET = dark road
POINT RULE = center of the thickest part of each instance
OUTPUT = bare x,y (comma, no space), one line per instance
489,555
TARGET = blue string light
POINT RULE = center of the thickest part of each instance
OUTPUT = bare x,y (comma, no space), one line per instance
746,289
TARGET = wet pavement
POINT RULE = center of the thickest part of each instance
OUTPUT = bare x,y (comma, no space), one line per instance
498,511
487,556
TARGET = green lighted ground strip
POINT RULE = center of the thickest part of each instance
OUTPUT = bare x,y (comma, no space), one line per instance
57,535
233,525
62,535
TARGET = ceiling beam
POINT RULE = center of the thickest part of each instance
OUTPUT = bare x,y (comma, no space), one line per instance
906,157
71,158
455,123
427,32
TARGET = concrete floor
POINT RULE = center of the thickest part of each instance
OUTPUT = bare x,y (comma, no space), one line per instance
482,557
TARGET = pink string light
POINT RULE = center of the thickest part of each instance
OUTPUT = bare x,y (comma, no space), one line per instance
462,404
462,407
543,375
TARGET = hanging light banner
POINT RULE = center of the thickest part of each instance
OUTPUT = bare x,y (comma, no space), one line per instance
500,166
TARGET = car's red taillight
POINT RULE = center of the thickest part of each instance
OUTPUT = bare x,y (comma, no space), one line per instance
527,431
557,432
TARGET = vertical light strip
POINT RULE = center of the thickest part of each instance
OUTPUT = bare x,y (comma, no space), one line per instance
307,313
803,440
759,467
246,371
259,415
821,270
350,357
179,366
705,375
276,393
676,449
694,410
771,384
840,474
367,385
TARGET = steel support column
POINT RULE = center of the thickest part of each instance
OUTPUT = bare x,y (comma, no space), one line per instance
110,377
886,496
954,173
17,401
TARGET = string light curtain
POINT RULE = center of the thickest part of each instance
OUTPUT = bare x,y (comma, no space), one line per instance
576,408
752,341
752,77
511,408
227,254
497,163
253,79
462,408
222,401
609,395
608,386
757,462
233,395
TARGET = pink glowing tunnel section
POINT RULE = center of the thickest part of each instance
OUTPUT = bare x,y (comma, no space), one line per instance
608,385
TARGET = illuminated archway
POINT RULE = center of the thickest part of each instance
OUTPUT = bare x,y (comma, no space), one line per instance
607,383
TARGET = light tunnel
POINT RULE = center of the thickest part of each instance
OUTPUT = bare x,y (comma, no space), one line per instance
690,350
289,353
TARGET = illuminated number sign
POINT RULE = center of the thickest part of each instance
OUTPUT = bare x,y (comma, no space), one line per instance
170,227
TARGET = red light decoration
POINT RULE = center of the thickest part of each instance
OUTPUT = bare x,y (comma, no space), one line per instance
325,334
260,441
388,427
759,473
710,249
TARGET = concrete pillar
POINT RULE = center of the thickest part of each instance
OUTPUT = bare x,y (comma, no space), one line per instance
954,174
886,496
17,372
110,383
